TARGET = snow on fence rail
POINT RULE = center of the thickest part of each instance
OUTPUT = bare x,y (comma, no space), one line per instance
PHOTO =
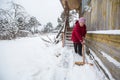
115,32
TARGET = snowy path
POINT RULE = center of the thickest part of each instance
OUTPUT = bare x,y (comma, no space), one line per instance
33,59
72,71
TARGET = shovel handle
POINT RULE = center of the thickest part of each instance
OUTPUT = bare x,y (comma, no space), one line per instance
83,53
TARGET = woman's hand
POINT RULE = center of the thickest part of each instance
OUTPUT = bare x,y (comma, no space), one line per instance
83,38
83,42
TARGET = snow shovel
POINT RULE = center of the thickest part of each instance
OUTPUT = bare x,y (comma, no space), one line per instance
83,55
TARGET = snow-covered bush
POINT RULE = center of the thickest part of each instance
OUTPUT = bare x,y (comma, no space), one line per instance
48,28
7,31
33,24
15,22
23,33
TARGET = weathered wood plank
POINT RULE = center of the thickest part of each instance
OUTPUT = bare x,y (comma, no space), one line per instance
110,50
108,43
112,40
105,15
113,69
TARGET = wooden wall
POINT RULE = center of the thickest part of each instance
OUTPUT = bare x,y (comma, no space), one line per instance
105,15
110,45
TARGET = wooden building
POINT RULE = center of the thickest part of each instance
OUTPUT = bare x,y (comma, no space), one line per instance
103,30
104,15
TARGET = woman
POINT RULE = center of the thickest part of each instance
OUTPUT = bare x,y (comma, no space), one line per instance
78,35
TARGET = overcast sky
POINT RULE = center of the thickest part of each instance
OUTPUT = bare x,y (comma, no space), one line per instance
44,10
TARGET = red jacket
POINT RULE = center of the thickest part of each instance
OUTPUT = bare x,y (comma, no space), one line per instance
78,33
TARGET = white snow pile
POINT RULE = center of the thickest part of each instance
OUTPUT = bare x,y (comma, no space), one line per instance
33,59
115,62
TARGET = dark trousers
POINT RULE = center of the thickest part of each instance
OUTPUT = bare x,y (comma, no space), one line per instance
78,48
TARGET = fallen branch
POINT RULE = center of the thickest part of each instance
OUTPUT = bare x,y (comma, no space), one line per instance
45,40
49,39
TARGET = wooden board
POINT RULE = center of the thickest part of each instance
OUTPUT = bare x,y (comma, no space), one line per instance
97,47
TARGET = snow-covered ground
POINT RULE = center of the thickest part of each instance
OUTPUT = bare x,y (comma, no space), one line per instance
33,59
